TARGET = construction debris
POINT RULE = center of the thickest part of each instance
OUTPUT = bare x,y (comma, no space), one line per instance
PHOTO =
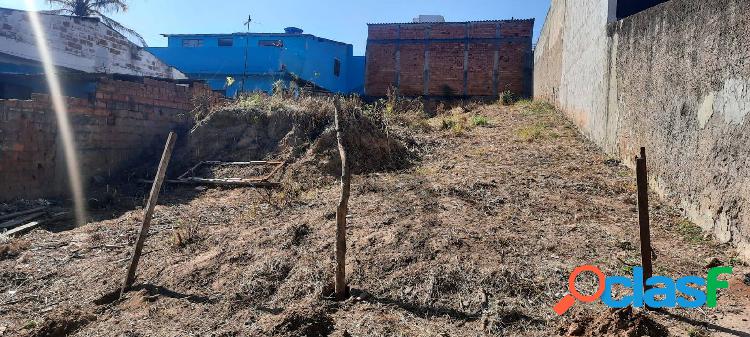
190,177
34,224
21,220
17,214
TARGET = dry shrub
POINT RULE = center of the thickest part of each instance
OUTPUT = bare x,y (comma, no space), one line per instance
63,322
400,111
308,319
12,248
186,234
297,130
264,279
458,123
625,322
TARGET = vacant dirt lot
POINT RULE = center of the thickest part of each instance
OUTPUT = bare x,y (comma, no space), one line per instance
476,237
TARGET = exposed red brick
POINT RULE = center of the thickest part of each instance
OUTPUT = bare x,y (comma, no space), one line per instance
110,132
446,44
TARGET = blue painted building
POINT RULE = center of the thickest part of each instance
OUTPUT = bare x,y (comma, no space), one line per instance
328,64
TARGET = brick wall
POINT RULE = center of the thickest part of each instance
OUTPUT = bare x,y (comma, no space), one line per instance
440,59
113,130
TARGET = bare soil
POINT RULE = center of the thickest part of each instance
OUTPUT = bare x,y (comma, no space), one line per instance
476,237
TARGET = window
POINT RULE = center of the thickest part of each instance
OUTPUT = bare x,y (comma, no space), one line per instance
226,42
271,43
192,43
336,67
627,8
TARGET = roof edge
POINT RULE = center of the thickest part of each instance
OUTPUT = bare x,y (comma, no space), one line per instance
255,34
448,23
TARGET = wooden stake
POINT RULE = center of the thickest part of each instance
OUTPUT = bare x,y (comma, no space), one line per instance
342,209
152,198
643,221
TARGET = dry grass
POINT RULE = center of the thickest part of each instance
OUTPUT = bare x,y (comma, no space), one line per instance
476,238
535,132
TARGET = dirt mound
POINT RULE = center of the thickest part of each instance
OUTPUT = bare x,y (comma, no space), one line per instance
260,127
310,320
63,322
12,248
616,322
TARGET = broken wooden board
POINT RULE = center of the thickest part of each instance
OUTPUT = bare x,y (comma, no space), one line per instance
21,229
17,214
219,182
31,225
261,181
22,220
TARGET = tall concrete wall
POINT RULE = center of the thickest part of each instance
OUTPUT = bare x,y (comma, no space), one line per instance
675,79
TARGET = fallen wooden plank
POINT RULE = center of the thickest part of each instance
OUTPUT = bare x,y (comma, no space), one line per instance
27,227
17,214
31,225
276,169
246,163
191,170
22,220
230,182
216,182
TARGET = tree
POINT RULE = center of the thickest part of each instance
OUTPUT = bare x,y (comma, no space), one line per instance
97,8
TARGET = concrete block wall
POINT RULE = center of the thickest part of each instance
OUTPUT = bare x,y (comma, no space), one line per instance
449,59
673,78
113,131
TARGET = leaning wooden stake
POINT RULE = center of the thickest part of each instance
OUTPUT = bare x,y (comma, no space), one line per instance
152,198
341,210
642,178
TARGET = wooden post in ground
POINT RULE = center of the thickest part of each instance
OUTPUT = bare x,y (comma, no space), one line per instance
150,205
342,208
643,221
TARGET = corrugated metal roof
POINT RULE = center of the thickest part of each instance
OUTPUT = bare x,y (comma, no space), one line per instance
446,23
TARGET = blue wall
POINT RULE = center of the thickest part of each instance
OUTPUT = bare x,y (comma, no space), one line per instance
307,56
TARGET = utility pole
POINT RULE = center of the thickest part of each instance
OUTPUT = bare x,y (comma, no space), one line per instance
247,46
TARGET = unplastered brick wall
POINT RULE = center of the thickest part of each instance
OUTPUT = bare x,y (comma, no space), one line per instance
121,125
450,59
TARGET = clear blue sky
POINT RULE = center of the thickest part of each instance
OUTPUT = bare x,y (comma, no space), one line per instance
339,20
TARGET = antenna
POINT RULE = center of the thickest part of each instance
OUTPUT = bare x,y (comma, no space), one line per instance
247,46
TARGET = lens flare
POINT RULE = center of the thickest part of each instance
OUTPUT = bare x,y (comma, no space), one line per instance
61,112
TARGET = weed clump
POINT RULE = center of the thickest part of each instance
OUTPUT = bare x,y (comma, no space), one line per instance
507,97
534,107
456,123
480,121
535,132
186,234
399,111
690,231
